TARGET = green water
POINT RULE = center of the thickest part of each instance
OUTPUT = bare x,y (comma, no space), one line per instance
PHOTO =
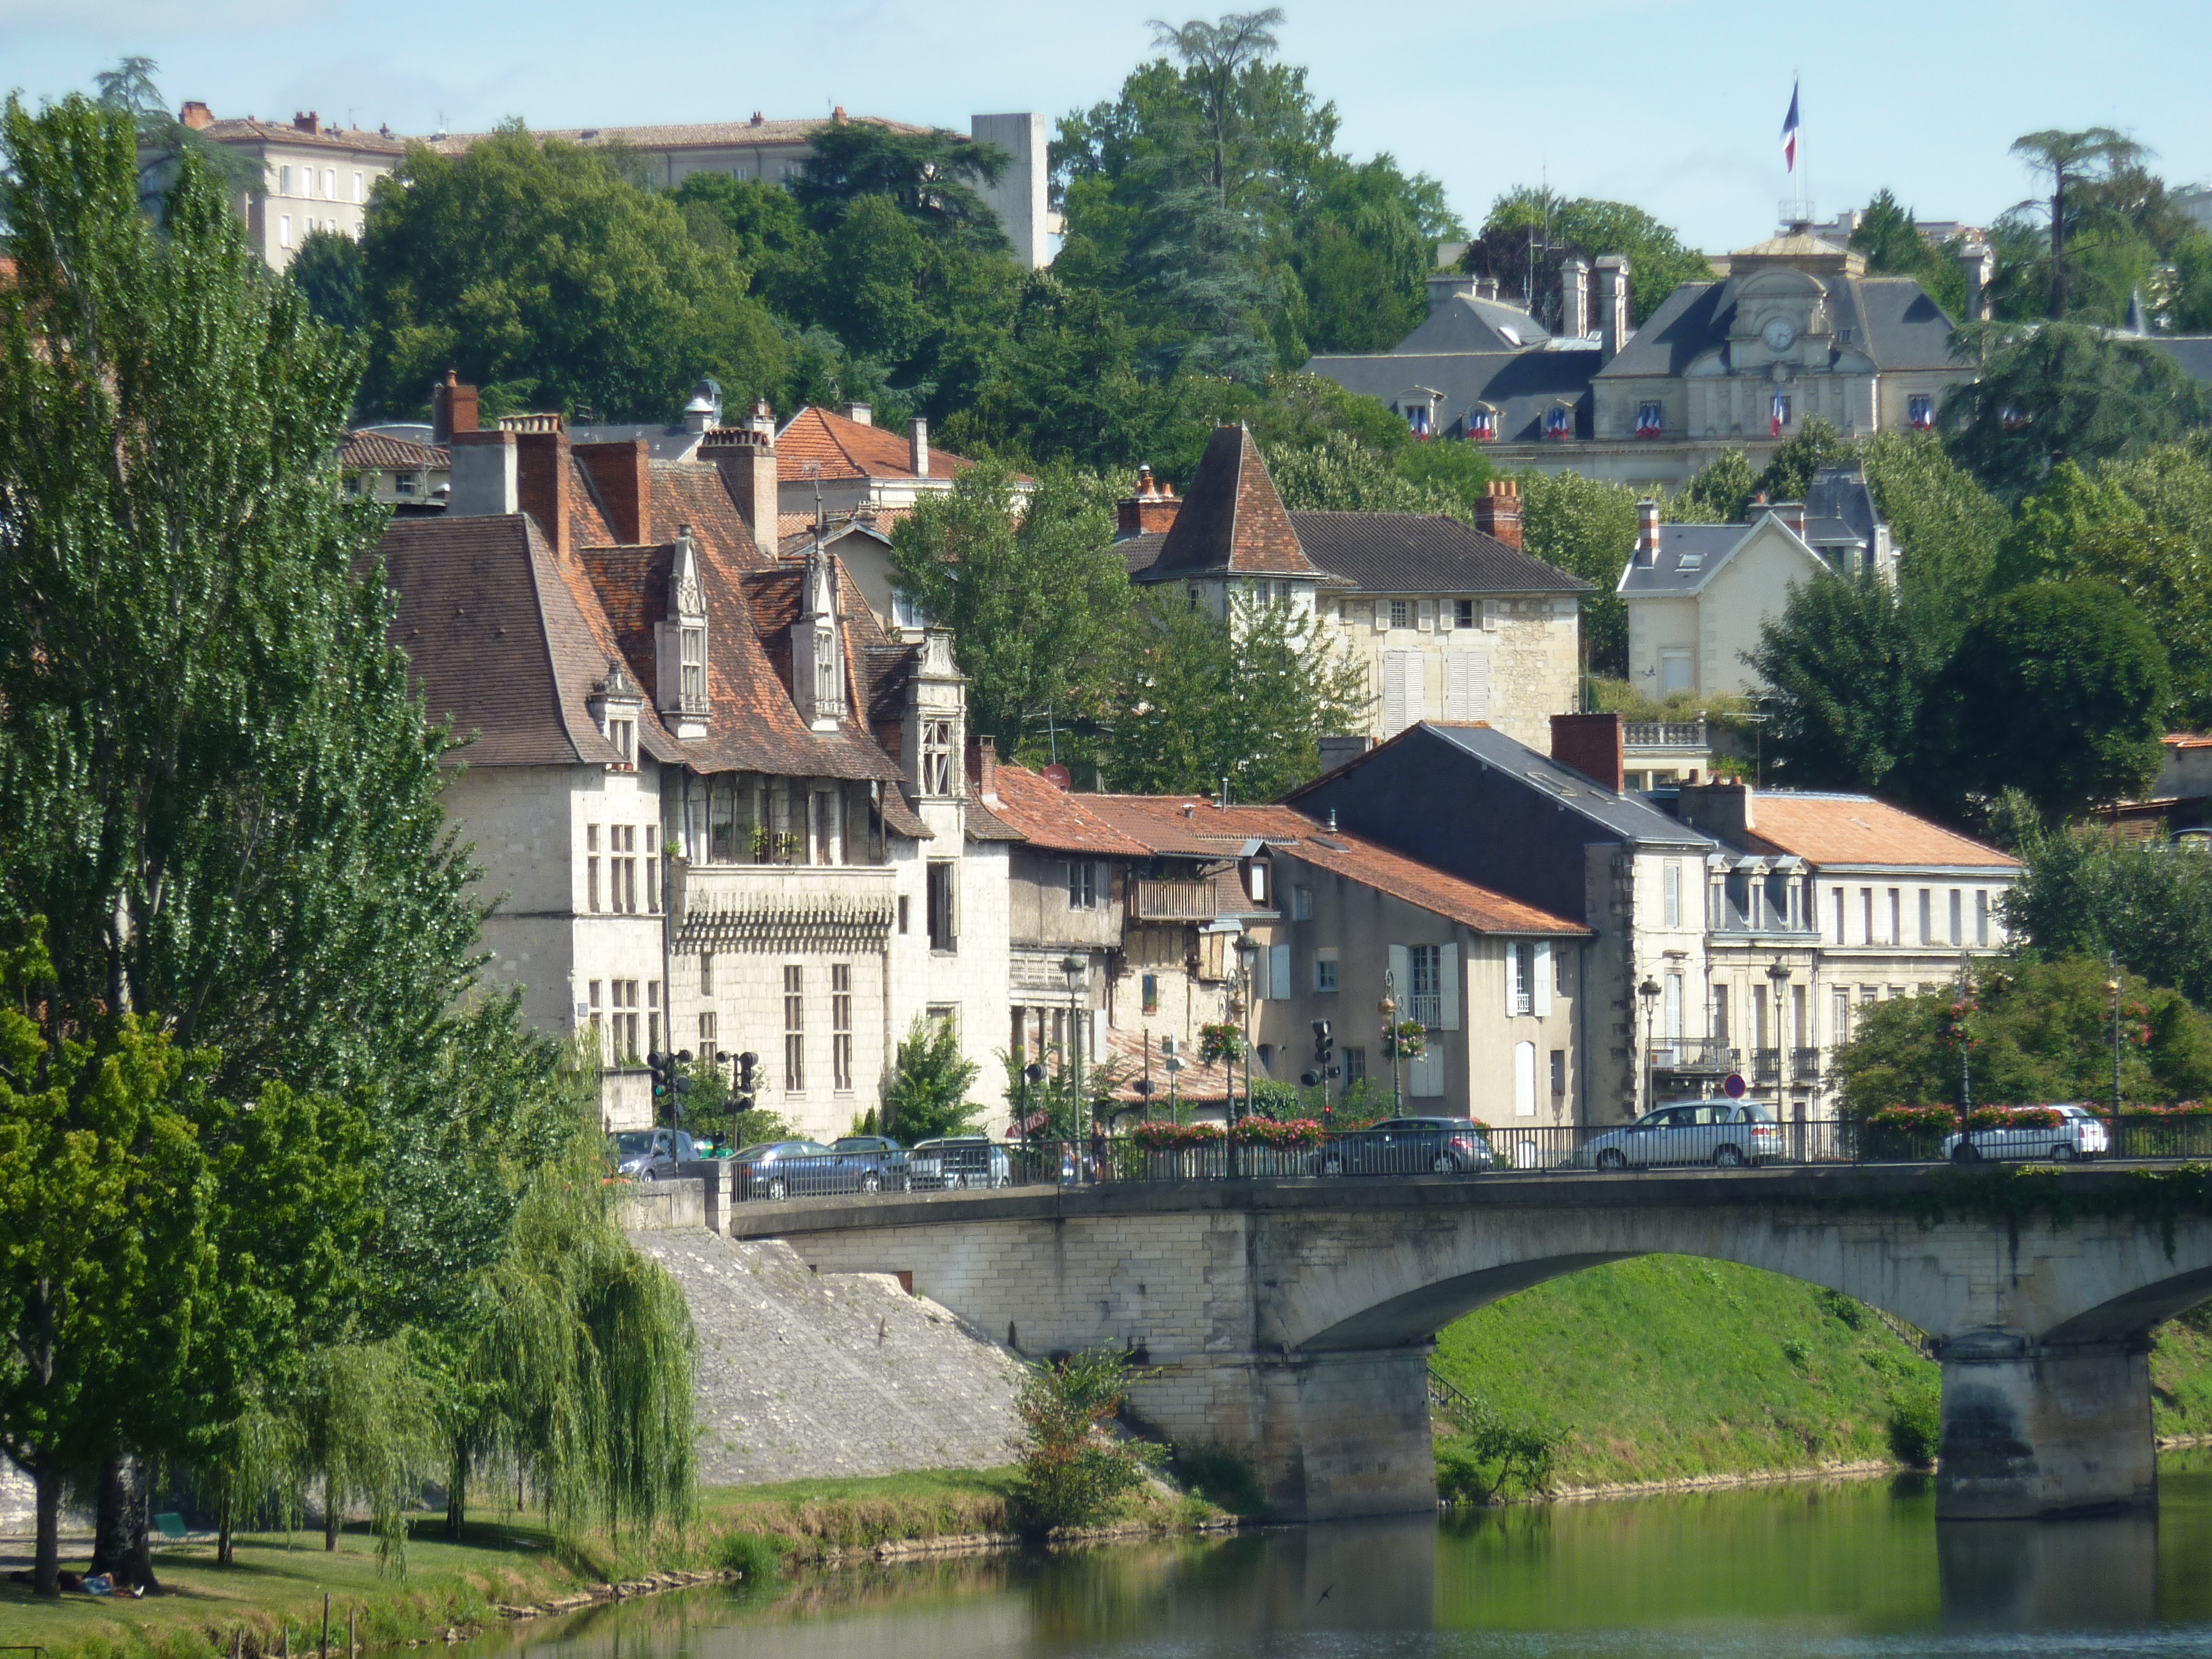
1858,1569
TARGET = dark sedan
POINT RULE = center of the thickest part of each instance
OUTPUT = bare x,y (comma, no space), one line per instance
1408,1146
778,1169
873,1163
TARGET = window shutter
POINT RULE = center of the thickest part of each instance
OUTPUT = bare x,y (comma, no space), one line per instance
1447,986
1397,715
1509,948
1543,976
1279,972
1401,977
1490,615
1382,611
1425,614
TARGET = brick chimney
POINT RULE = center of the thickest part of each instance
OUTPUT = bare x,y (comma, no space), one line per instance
452,408
983,767
622,474
307,122
1499,512
196,117
1595,745
1151,511
541,473
1613,326
746,456
917,445
1723,808
1647,532
1574,299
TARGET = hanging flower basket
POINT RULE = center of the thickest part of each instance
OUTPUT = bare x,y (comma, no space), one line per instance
1174,1137
1295,1134
1408,1040
1219,1042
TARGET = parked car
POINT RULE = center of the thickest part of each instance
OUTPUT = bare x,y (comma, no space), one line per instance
1725,1134
873,1163
777,1169
960,1161
649,1154
1408,1146
2078,1133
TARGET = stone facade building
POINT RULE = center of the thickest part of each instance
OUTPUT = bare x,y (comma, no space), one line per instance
1448,621
724,811
317,175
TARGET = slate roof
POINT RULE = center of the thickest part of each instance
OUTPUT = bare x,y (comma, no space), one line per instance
663,443
1417,553
1232,521
1464,323
1890,320
819,443
1522,387
1839,512
1830,829
2192,353
361,451
1056,819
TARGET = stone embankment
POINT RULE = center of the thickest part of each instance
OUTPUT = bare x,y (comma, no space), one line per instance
803,1376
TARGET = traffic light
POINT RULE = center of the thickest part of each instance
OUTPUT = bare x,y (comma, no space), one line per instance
1324,1054
663,1067
747,1086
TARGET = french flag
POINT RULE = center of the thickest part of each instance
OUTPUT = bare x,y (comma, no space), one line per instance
1789,132
1781,413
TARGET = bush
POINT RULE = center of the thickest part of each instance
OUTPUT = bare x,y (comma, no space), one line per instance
1494,1457
1915,1423
1222,1478
751,1557
1162,1137
1297,1133
2014,1117
1071,1472
928,1095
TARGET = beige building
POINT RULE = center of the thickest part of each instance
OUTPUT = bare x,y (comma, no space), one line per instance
393,466
1698,595
316,176
1448,621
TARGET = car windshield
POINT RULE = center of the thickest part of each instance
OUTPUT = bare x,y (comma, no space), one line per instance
631,1142
862,1144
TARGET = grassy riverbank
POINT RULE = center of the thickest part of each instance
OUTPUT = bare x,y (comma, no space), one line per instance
1670,1368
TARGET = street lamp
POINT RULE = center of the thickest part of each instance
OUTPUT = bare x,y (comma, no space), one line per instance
1247,967
1078,984
1650,992
1388,1009
1779,975
2113,985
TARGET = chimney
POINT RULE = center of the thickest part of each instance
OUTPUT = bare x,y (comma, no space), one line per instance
622,474
1485,288
983,767
917,443
1595,745
484,479
1613,328
541,473
306,123
1722,808
746,456
196,117
1446,287
1151,511
859,414
1574,299
1793,515
452,408
1980,266
1647,532
1499,512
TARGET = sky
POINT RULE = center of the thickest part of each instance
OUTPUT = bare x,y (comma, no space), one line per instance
1676,108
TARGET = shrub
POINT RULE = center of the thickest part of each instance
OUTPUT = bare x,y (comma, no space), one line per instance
928,1096
1071,1472
1916,1423
1221,1477
751,1557
1495,1457
2014,1117
1297,1132
1920,1120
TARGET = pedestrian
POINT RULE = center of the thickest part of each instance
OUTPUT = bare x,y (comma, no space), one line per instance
1098,1151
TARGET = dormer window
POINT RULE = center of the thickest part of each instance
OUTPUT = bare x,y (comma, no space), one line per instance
623,735
693,650
936,756
614,705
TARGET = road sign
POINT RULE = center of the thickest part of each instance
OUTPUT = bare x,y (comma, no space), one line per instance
1734,1086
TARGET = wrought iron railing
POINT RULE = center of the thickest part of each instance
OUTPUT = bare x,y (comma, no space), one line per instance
1805,1065
1663,734
1687,1055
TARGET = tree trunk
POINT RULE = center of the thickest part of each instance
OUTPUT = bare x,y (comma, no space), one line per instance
142,1532
47,1573
2058,247
330,1512
222,1544
456,1493
111,1520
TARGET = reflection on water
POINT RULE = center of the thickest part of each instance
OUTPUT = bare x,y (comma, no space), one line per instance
1859,1569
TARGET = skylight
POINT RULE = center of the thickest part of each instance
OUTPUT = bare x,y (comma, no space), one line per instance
1511,335
1692,562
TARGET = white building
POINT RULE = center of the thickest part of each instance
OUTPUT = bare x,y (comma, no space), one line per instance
317,175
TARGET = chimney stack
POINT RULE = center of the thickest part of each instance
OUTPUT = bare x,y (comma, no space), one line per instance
1595,745
1613,328
983,767
1980,265
541,473
1719,809
917,441
1447,286
484,479
1485,288
196,117
859,414
1499,512
1150,511
452,408
745,457
1793,515
1647,532
307,122
1574,299
622,474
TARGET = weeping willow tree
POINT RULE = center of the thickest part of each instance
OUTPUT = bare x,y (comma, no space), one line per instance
579,1372
367,1433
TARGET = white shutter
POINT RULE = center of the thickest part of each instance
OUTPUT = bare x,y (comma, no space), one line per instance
1401,977
1425,614
1543,976
1381,609
1279,972
1400,690
1490,614
1507,947
1448,986
1524,1080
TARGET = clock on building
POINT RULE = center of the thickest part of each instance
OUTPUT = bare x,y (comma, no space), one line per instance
1779,333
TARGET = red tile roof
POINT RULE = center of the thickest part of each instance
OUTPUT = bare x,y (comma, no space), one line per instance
1194,1083
1832,830
1051,818
363,449
1232,521
356,140
693,134
817,444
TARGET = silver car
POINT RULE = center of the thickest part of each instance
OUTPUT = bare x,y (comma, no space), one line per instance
2078,1133
651,1154
1726,1134
959,1161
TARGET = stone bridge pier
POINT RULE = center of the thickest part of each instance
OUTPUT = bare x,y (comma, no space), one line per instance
1291,1322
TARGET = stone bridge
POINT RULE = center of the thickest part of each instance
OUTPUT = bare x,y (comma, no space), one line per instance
1292,1322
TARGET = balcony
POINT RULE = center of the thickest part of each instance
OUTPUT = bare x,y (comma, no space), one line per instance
1696,1057
1766,1065
1805,1065
1172,900
1664,734
796,908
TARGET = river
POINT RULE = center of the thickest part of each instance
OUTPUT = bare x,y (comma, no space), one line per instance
1850,1569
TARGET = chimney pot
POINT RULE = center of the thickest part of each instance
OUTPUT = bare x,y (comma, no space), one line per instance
1595,745
1150,510
918,446
197,117
1330,823
1497,515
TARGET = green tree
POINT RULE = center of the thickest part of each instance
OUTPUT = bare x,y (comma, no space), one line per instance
928,1094
1243,699
1789,470
1587,529
1720,494
1339,474
2070,159
129,89
1035,595
2059,689
1530,232
931,178
1945,525
1895,245
2062,390
327,268
537,269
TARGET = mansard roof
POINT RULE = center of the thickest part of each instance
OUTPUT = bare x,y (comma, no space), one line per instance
1232,521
